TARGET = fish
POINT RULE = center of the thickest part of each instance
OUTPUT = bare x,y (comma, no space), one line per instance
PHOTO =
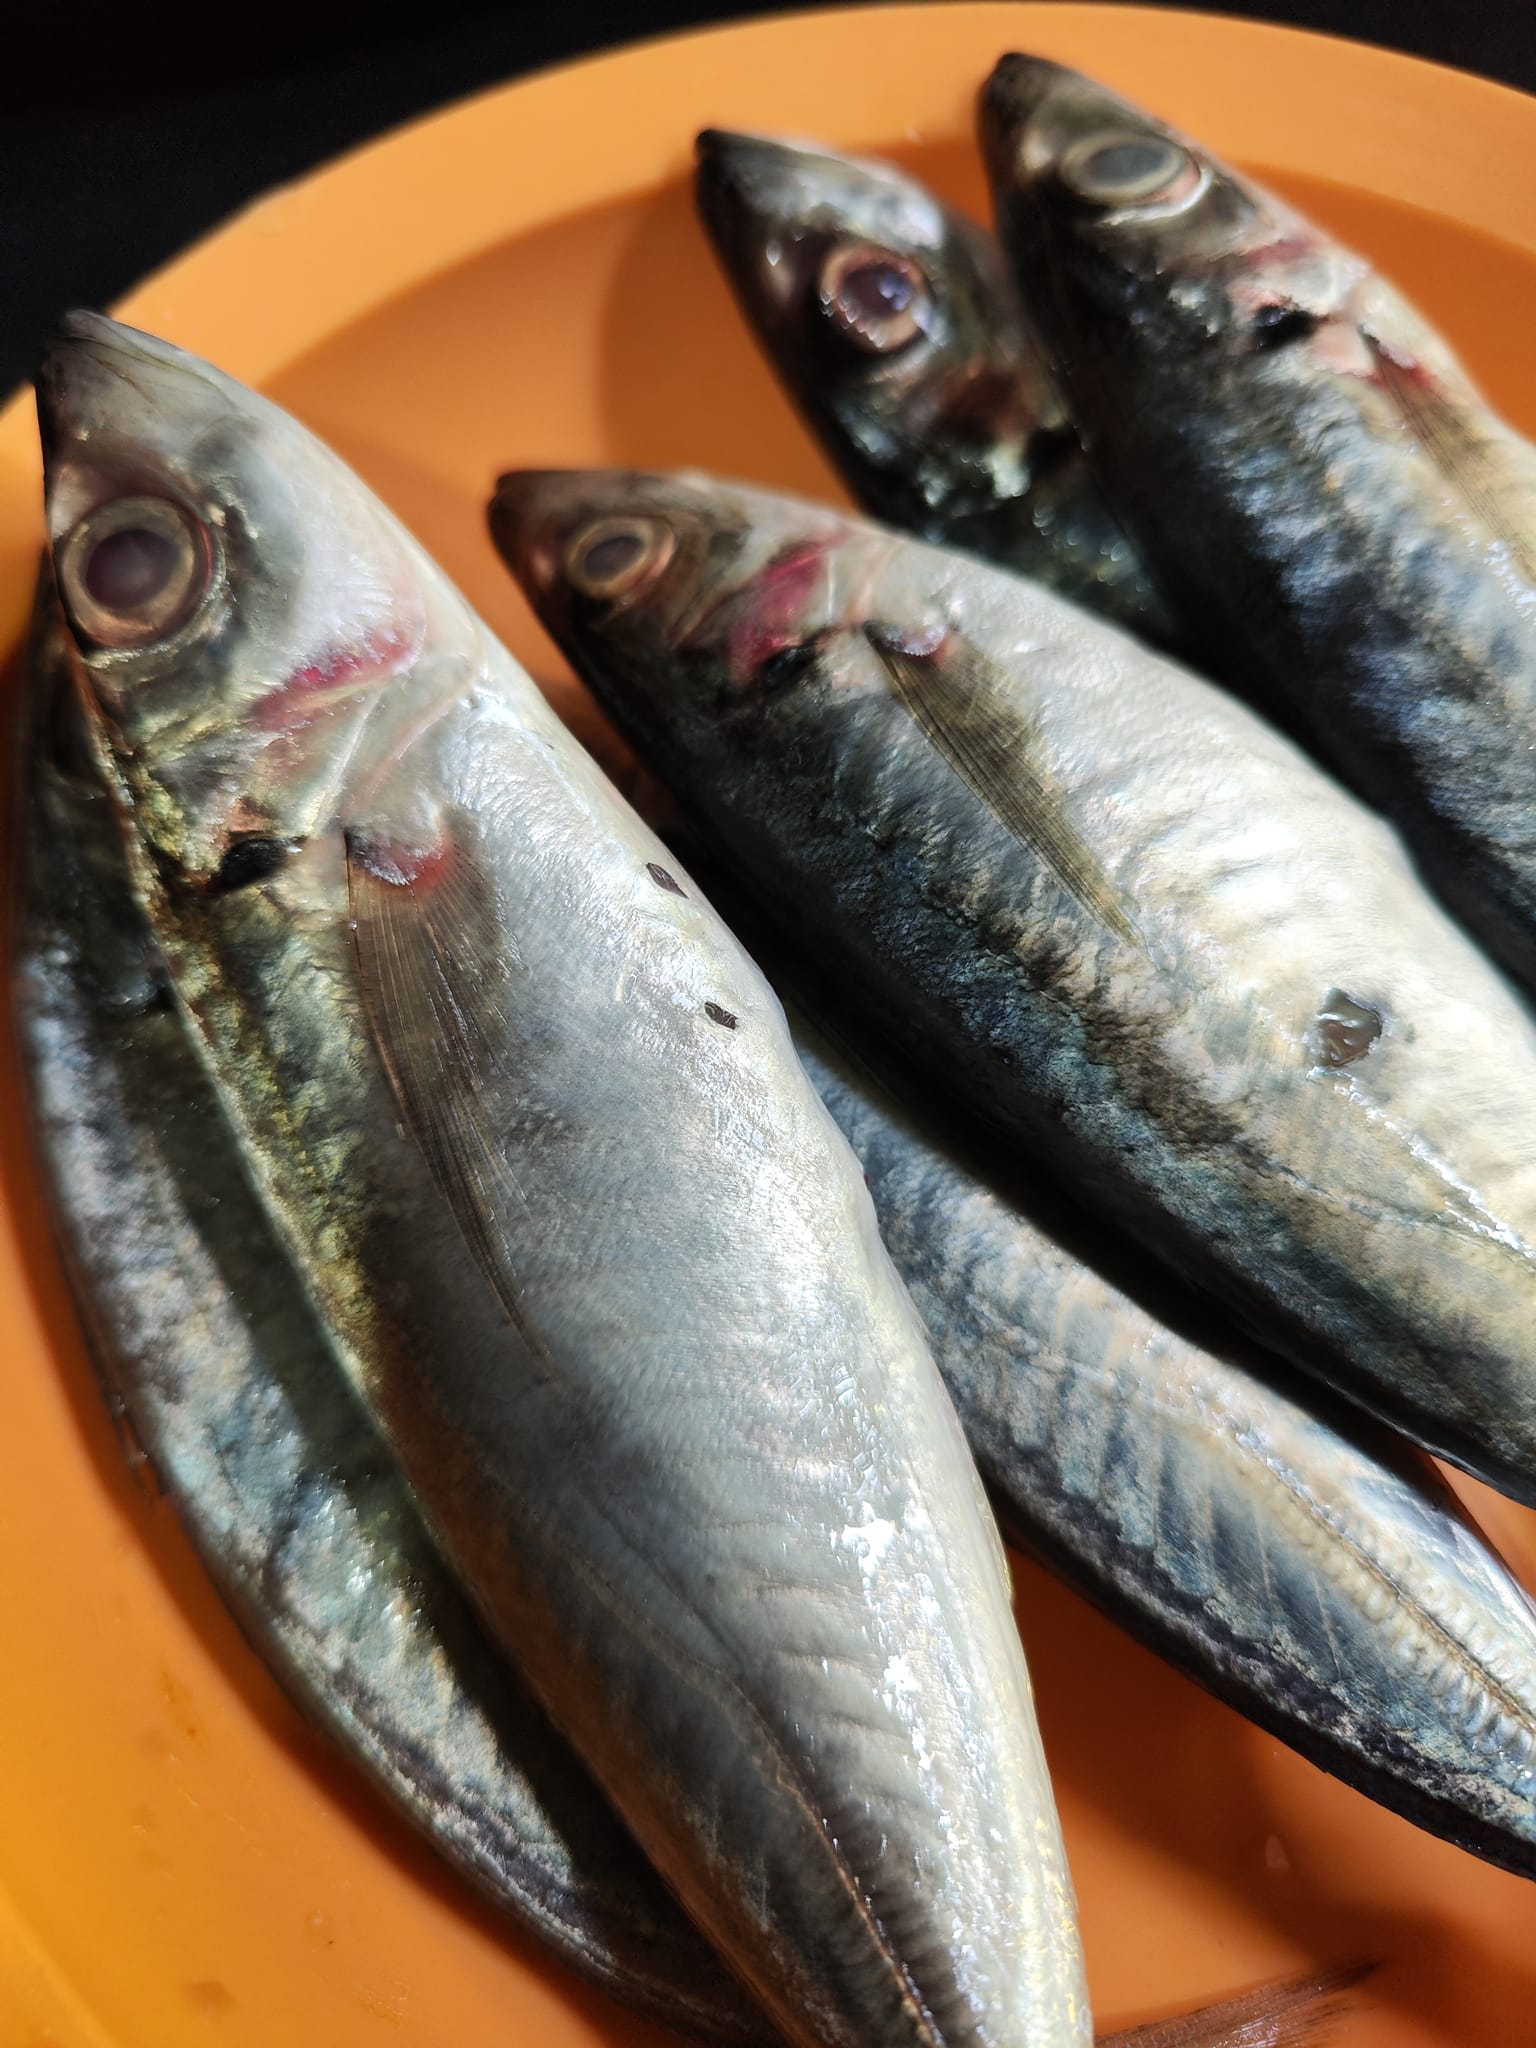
210,1360
1299,1562
531,1128
1346,525
892,322
224,1385
1100,904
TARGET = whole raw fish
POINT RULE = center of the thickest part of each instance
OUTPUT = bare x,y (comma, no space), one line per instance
891,320
532,1128
1336,512
210,1355
1133,927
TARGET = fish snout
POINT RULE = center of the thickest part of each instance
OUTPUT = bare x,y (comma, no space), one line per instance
750,192
1023,116
533,515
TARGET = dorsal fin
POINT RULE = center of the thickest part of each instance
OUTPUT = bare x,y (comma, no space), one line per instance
1463,455
435,964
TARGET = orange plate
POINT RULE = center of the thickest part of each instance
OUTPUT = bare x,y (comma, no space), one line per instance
520,281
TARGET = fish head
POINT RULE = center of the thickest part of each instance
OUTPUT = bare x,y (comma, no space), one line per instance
700,612
889,316
1140,241
233,593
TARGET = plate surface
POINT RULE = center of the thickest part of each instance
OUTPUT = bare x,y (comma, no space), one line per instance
519,280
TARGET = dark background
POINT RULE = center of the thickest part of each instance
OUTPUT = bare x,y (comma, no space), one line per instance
128,129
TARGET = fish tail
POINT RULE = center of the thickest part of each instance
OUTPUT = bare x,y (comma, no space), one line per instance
1295,2012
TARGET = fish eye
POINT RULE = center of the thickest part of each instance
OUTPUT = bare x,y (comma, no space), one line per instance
875,298
612,557
1130,167
134,570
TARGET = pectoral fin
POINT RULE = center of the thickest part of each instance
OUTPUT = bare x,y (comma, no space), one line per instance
1497,499
436,964
956,694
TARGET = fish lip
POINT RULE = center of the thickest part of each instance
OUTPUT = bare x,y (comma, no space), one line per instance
82,347
731,169
744,180
83,332
78,333
1019,91
529,526
712,143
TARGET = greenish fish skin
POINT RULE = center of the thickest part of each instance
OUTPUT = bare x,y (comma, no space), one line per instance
1331,504
533,1131
942,417
1102,903
211,1356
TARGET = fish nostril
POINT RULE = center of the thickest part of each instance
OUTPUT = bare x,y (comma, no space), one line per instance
128,568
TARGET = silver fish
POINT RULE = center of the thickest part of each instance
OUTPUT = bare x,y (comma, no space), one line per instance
892,322
532,1129
1311,1570
209,1355
1122,918
1335,509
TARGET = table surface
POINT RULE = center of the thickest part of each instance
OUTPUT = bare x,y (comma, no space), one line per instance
126,131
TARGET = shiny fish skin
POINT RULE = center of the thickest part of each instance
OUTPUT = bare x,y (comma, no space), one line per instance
1127,922
209,1353
949,422
533,1130
1332,505
1313,1572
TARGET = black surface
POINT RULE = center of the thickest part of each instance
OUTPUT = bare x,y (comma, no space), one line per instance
127,130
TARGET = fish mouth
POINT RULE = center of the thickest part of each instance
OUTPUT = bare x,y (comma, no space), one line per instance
1032,110
744,184
754,197
762,197
106,396
532,516
85,353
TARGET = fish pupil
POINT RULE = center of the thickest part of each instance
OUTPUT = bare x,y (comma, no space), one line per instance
876,299
875,290
128,569
611,558
1117,170
608,558
1124,163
